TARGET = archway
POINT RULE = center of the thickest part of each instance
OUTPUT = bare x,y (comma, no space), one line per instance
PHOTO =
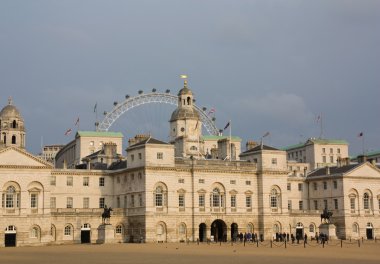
299,231
234,232
218,230
369,231
85,234
202,232
10,236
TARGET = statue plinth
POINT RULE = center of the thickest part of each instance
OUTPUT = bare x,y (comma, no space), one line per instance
106,234
328,229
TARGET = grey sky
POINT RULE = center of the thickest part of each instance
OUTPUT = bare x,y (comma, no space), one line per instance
266,65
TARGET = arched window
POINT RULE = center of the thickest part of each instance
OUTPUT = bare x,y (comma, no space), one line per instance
182,229
355,228
34,232
273,198
159,196
10,197
311,228
14,124
67,231
160,229
13,139
276,228
369,225
119,229
188,100
366,201
216,198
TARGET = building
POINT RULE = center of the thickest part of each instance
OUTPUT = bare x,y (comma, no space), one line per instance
49,152
193,188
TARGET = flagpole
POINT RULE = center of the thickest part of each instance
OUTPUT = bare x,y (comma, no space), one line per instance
363,145
321,133
230,141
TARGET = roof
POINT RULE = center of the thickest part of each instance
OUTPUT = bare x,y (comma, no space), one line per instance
320,141
333,170
259,147
99,134
149,140
118,165
212,137
184,113
10,111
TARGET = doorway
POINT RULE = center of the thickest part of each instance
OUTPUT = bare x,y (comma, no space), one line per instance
219,230
202,232
85,234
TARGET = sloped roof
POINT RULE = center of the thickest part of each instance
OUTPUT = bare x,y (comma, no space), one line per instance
149,140
333,170
98,134
321,141
212,137
259,147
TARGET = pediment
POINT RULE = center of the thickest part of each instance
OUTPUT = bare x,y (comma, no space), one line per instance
365,170
15,157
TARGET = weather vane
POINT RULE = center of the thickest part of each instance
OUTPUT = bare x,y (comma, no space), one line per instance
184,76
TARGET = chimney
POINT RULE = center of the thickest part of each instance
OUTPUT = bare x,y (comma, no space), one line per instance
250,144
362,158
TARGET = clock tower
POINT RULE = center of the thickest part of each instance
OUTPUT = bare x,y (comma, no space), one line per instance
12,130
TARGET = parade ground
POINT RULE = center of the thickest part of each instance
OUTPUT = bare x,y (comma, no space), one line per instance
192,253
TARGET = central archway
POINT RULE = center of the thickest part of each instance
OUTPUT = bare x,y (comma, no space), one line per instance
219,230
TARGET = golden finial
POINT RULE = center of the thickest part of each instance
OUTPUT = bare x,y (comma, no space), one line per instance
184,76
10,101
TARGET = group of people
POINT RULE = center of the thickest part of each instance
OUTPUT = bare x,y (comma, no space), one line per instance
246,237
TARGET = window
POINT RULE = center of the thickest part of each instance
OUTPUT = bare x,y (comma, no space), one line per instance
181,200
248,201
325,204
34,232
355,228
289,204
201,181
336,204
33,200
132,200
101,202
159,196
201,200
182,229
379,203
300,205
118,202
140,200
324,159
119,229
315,204
52,180
315,186
86,202
140,156
274,161
273,198
193,148
233,201
11,197
181,180
140,175
132,157
247,182
331,150
69,181
86,181
352,203
101,181
311,228
53,202
69,202
331,159
216,198
366,201
323,150
300,187
160,155
325,185
232,181
67,231
289,186
338,150
335,184
125,201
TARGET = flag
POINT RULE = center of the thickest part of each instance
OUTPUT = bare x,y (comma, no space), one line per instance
96,105
360,134
227,125
212,110
266,134
77,122
68,132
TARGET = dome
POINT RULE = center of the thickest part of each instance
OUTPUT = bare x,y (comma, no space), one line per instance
184,91
10,111
184,113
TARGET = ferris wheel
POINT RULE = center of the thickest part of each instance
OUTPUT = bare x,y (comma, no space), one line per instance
150,98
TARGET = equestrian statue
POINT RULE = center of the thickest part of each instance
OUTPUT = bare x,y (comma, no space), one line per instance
326,215
106,215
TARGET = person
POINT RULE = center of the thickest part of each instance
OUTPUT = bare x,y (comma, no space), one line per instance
317,237
292,236
287,237
305,238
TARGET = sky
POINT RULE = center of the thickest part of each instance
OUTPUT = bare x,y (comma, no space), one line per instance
265,65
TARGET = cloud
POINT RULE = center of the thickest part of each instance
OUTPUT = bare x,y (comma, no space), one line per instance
279,107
